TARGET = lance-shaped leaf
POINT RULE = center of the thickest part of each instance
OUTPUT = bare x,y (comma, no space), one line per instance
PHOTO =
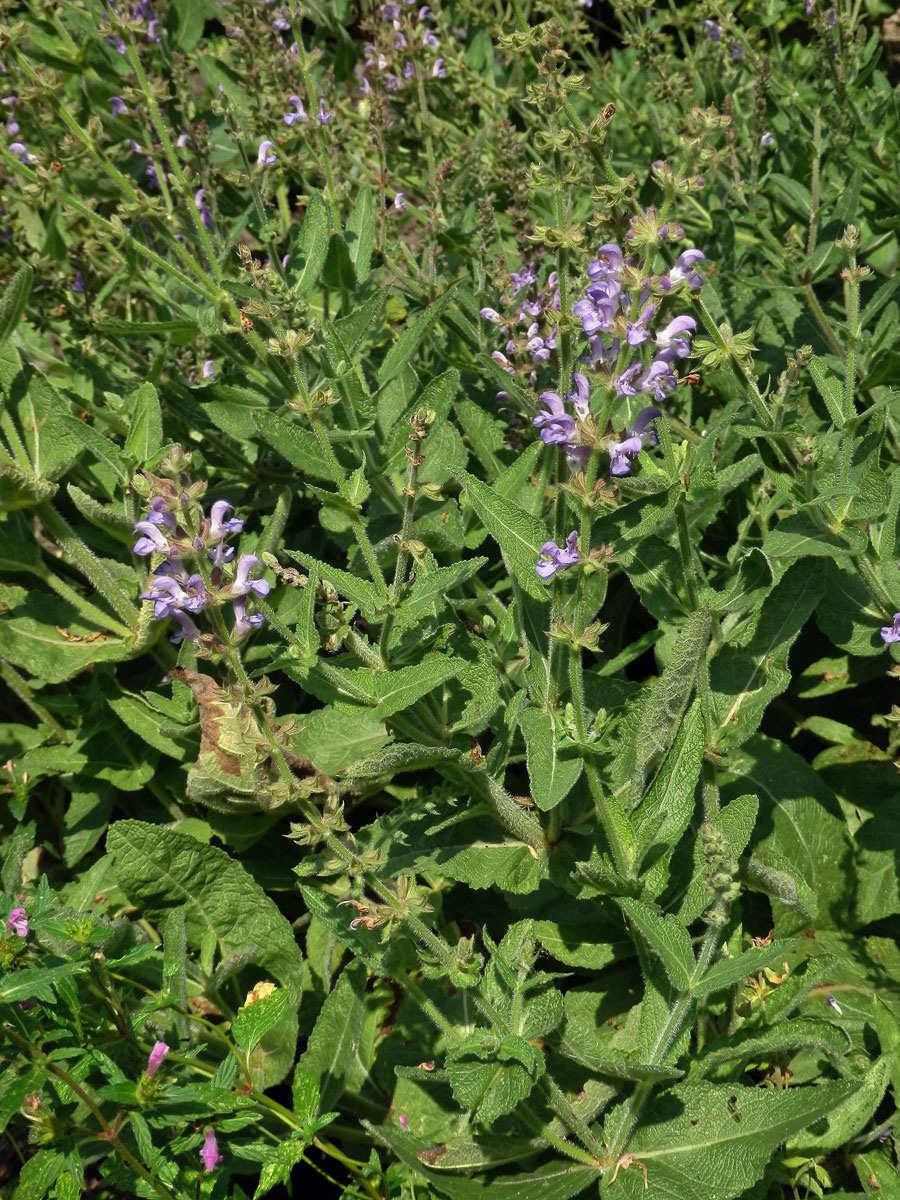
309,246
410,337
772,1044
553,773
360,591
734,970
666,937
518,534
334,1041
753,668
702,1140
669,697
145,434
296,445
13,301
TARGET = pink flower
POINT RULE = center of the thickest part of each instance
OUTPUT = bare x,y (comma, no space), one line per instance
209,1151
157,1054
17,923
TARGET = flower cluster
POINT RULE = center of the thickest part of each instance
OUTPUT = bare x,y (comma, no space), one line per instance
531,338
403,46
195,569
138,11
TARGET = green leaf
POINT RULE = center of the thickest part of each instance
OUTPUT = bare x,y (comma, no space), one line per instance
360,232
308,246
718,1139
429,589
772,1044
36,983
334,1042
334,739
253,1021
338,270
182,329
278,1165
491,1074
734,970
804,827
13,301
780,881
667,938
404,756
559,1180
403,686
296,445
800,536
851,1117
518,534
99,445
411,336
669,697
752,669
145,434
40,1172
159,870
552,774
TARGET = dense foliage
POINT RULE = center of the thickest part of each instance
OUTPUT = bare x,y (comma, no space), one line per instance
448,599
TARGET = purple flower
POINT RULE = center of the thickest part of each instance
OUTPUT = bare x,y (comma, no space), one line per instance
150,172
281,25
218,525
400,202
640,423
265,156
636,331
711,29
157,1054
683,271
202,208
323,116
408,70
830,18
889,635
17,923
437,71
12,127
621,453
539,347
736,52
119,107
554,558
490,314
677,336
581,395
767,139
524,278
291,118
598,309
555,424
659,378
154,540
625,385
188,630
808,6
429,39
153,33
403,1121
608,262
21,151
243,583
182,140
243,623
78,282
209,1151
208,370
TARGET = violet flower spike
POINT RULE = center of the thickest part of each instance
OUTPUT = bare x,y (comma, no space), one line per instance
555,424
677,336
202,208
209,1151
17,923
891,633
157,1054
242,622
265,156
557,558
621,453
218,525
243,583
581,396
78,282
291,118
153,541
684,269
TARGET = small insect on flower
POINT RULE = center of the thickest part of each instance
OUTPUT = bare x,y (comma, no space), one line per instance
832,1003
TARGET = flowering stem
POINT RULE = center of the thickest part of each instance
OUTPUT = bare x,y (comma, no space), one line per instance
409,508
108,1132
312,97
